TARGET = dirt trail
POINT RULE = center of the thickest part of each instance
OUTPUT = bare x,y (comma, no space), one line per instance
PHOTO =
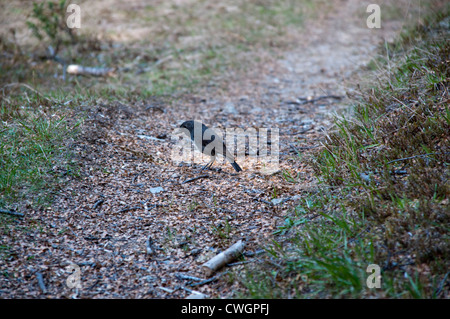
103,221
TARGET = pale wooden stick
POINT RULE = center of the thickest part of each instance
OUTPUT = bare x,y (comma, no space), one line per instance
196,295
41,283
223,258
85,70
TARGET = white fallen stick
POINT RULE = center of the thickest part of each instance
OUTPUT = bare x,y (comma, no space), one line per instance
196,295
86,70
223,258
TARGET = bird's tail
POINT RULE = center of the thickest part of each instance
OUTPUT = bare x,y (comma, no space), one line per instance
236,167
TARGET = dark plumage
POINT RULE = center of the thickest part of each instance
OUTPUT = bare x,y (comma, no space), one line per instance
208,142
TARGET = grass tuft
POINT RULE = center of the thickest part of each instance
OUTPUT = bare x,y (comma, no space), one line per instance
34,150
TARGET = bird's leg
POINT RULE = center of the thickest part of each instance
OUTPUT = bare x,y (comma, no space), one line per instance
209,164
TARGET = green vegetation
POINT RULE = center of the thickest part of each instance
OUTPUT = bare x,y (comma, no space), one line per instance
34,152
384,194
50,22
37,125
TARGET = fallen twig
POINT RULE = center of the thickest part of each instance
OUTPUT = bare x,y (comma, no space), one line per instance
207,281
400,172
302,148
412,157
170,291
98,203
28,87
313,100
240,263
306,100
194,294
262,201
146,137
254,253
128,209
154,107
4,211
223,258
187,277
407,158
295,150
85,70
94,284
195,178
41,283
441,285
302,131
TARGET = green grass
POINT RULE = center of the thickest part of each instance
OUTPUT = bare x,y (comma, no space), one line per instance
317,254
34,152
383,198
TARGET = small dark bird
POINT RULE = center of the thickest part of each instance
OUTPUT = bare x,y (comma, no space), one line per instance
206,140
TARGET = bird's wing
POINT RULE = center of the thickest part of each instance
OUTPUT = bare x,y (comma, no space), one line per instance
208,139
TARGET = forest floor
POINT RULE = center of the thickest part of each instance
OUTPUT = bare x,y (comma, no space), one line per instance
129,189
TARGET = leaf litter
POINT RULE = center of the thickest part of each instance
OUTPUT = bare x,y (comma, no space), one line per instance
131,197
